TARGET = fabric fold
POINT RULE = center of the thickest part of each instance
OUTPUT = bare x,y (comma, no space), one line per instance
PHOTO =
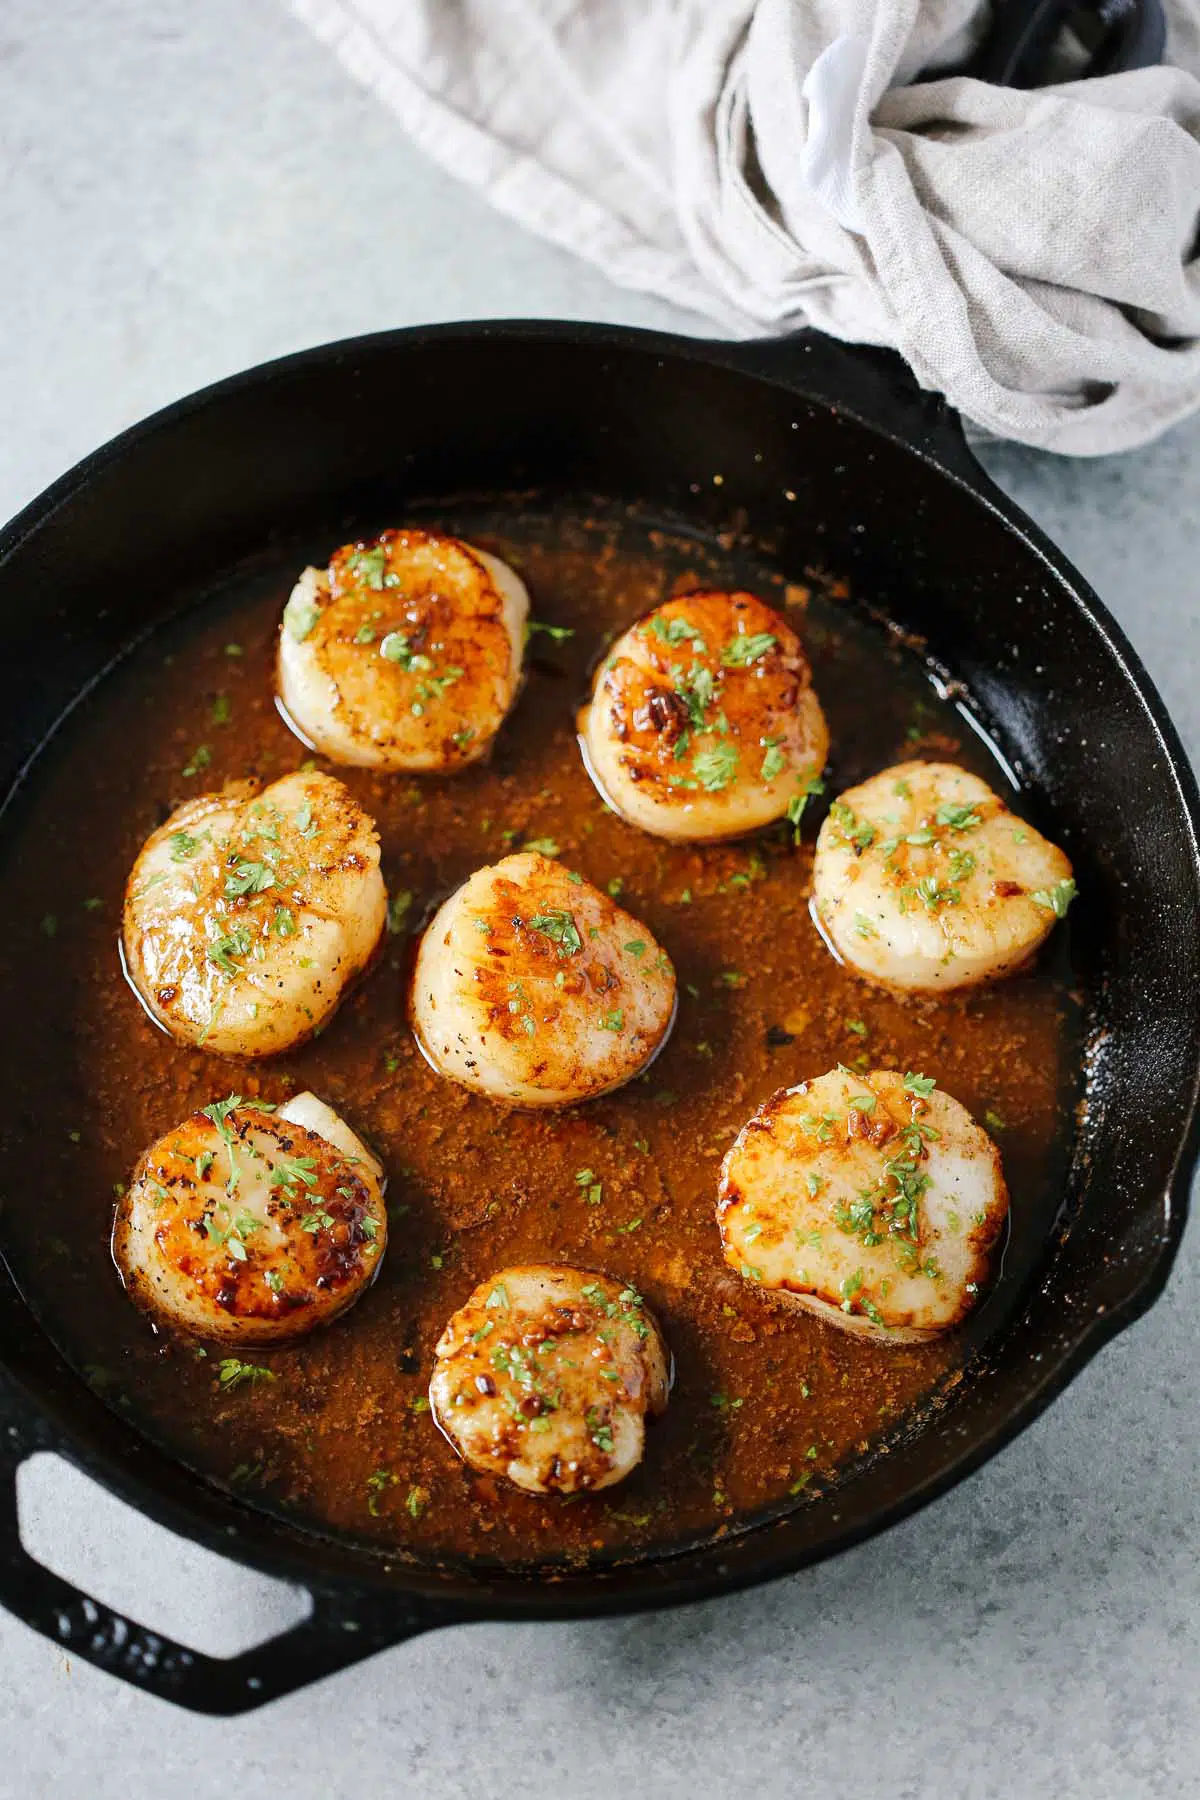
775,164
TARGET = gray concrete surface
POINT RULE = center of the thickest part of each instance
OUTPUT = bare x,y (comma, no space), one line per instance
188,188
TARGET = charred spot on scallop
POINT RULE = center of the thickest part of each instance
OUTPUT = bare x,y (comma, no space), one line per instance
545,1377
404,653
874,1201
248,914
702,722
532,987
925,881
250,1225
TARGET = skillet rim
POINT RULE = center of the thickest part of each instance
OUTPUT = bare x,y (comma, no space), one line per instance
876,390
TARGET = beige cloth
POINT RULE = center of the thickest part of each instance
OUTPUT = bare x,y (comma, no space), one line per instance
775,163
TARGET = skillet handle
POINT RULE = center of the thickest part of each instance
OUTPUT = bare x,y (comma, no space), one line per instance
1122,35
335,1634
873,385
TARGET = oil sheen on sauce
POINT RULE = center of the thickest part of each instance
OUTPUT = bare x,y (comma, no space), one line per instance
768,1405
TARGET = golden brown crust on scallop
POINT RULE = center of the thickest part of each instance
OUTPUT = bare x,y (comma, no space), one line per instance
249,913
545,1376
924,881
874,1201
248,1227
533,987
404,653
702,722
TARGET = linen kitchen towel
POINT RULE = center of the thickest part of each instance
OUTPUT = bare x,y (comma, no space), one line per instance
774,164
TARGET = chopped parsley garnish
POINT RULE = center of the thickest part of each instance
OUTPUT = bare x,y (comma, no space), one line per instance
519,1005
231,1373
715,769
222,950
677,631
697,689
377,1485
283,924
558,634
435,686
291,1172
613,1021
774,760
1056,899
798,802
200,759
397,648
222,709
599,1430
245,877
591,1188
397,911
316,1221
559,926
861,836
958,818
183,845
219,1112
932,894
300,615
851,1286
745,649
369,566
857,1218
923,1085
542,846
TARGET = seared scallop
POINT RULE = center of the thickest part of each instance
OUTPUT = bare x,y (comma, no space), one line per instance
702,721
545,1377
532,987
925,881
250,1225
405,653
875,1202
249,913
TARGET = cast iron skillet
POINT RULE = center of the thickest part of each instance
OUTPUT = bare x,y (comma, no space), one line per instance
834,456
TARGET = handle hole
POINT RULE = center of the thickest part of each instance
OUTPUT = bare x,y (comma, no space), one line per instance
84,1534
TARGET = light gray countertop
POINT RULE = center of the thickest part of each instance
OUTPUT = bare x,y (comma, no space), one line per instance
188,189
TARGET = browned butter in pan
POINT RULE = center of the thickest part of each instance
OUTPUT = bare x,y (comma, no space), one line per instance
768,1406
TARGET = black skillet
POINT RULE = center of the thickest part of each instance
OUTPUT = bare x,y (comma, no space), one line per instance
829,453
